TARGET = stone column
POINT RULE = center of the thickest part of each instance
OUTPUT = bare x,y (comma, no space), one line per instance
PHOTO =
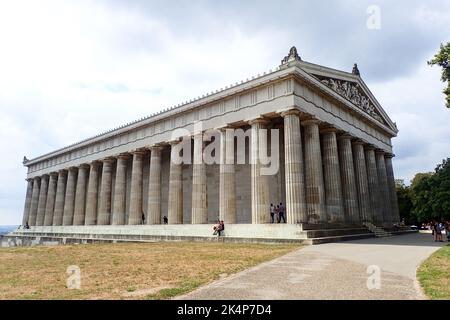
42,201
227,183
361,182
175,202
26,210
120,191
315,189
59,201
92,195
80,196
349,190
392,190
69,202
294,169
374,187
104,209
154,187
136,210
34,201
259,182
199,194
332,177
385,200
51,194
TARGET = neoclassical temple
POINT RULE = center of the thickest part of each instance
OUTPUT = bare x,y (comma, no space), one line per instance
335,161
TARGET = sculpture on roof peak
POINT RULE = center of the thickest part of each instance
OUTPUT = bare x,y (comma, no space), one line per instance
292,56
355,70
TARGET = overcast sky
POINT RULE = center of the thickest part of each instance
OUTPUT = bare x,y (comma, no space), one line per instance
72,69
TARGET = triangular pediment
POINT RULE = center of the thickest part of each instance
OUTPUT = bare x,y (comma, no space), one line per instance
353,92
350,87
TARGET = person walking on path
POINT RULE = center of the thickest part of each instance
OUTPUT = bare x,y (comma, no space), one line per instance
438,231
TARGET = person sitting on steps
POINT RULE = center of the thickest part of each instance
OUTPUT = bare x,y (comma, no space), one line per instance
221,228
216,227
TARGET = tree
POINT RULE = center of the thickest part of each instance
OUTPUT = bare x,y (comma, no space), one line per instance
441,190
442,59
421,196
430,193
404,202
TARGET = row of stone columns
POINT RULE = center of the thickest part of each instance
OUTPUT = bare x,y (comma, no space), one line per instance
329,178
71,197
344,180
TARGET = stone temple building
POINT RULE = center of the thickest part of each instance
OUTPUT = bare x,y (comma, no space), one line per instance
334,167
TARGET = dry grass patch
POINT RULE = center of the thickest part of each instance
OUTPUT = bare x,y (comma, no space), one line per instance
125,271
434,274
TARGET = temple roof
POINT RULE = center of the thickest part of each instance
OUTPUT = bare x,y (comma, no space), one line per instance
348,85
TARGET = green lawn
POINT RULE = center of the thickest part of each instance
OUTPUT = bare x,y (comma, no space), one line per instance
434,275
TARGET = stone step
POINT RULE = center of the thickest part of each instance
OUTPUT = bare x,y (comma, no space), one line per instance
334,232
325,226
11,241
315,241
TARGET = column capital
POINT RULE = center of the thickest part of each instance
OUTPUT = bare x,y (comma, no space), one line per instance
72,169
380,151
197,134
224,128
260,120
45,175
288,112
29,179
358,142
174,142
124,156
155,147
108,160
369,147
84,166
389,155
94,163
310,122
62,171
328,130
138,151
345,136
53,174
37,178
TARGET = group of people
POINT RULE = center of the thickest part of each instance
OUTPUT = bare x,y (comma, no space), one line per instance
277,213
438,229
26,226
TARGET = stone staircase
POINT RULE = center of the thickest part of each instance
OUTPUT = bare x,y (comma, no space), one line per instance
377,231
320,236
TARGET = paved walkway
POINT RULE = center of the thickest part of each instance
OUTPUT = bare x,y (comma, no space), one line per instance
331,271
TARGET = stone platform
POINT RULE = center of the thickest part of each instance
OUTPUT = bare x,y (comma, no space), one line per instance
247,233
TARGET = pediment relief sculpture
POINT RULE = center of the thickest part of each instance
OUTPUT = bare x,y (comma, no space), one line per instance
352,92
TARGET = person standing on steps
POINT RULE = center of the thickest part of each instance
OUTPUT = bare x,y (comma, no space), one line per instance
281,213
272,212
